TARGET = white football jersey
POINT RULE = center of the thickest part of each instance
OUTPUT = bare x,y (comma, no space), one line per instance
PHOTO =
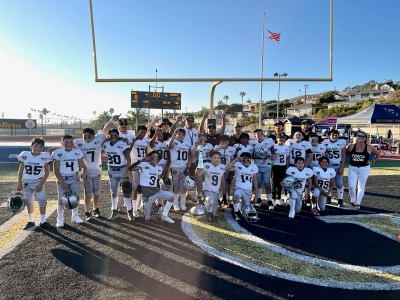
191,138
248,149
69,161
226,154
302,175
162,148
33,165
212,177
324,177
139,149
115,153
206,151
282,154
128,136
91,151
244,175
334,151
317,152
149,174
298,149
269,143
179,154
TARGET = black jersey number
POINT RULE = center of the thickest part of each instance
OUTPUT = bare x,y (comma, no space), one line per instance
246,178
33,170
214,180
295,153
163,154
70,165
91,153
182,155
223,160
282,158
114,159
324,184
141,152
316,156
333,154
152,180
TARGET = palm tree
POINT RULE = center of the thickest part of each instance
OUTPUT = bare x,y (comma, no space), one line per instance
248,101
242,94
94,114
111,111
226,98
2,114
104,116
29,115
141,117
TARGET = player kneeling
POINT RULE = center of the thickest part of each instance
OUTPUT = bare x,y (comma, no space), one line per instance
213,180
323,180
150,172
246,180
302,184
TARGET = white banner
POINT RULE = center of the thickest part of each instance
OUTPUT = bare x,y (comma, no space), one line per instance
55,131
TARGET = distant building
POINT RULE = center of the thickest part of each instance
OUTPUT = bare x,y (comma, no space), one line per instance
302,109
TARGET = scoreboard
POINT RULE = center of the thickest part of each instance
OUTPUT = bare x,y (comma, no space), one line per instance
155,100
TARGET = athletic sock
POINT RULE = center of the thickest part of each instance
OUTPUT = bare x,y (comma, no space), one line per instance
139,200
31,218
167,207
292,204
176,197
128,203
42,218
340,192
236,207
269,197
259,193
114,203
134,205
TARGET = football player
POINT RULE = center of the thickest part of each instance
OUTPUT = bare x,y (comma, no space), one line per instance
118,153
139,148
180,165
67,162
160,145
336,152
317,150
150,172
299,148
214,179
244,145
303,176
201,147
91,146
34,169
323,183
264,166
281,163
227,154
246,180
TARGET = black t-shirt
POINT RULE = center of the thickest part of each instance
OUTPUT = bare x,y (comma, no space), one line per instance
213,139
233,140
306,136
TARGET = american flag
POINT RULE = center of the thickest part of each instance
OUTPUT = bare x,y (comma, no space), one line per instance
274,36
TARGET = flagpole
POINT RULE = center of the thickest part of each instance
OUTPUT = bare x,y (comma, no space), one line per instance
262,74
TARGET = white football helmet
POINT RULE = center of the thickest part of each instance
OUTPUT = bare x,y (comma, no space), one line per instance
165,183
16,202
290,183
70,199
198,211
189,182
249,213
262,151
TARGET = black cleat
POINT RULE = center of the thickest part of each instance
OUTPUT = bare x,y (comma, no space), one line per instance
28,225
236,216
97,213
88,215
45,225
259,202
328,200
131,217
340,203
114,215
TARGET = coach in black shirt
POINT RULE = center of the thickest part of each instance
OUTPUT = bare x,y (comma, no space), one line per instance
278,130
306,129
235,138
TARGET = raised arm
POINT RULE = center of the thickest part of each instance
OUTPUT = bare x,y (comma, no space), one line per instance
111,123
151,124
205,116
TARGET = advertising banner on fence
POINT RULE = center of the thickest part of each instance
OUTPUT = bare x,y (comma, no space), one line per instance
55,131
18,123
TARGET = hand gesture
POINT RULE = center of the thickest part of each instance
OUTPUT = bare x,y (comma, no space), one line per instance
197,143
223,116
176,131
205,116
179,118
116,117
158,130
145,159
156,120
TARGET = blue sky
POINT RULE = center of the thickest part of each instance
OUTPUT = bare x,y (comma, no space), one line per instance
46,52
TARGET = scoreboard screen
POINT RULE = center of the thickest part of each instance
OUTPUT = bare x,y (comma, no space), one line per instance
155,100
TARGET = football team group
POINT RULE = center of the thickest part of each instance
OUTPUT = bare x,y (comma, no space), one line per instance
297,171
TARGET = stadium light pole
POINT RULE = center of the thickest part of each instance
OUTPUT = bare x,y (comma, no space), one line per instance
279,75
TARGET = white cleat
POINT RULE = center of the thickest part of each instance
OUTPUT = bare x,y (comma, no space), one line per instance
183,207
176,207
136,213
291,214
60,222
167,219
76,219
